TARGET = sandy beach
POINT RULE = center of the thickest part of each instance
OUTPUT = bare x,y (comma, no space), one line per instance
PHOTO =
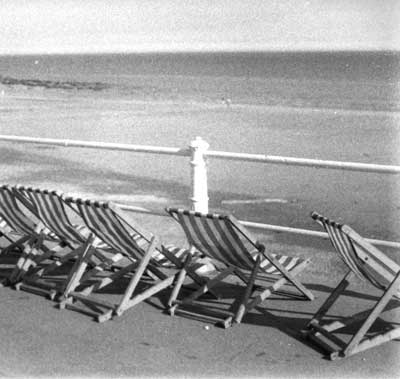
369,202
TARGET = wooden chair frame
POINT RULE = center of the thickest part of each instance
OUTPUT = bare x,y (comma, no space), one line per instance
48,206
112,226
255,270
32,233
350,246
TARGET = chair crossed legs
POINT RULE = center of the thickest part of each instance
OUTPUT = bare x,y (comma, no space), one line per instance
32,235
222,239
369,264
49,207
114,228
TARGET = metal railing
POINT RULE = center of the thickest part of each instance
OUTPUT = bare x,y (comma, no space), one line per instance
198,152
268,227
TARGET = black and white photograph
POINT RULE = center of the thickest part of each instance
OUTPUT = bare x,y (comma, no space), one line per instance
200,189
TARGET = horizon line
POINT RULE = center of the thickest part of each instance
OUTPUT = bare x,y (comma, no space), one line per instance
205,51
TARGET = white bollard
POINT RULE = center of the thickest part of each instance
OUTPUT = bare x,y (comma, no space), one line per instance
199,175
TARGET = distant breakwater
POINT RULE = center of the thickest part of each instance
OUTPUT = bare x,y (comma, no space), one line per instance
53,84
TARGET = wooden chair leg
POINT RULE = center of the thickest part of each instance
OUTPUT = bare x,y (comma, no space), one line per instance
271,289
40,270
99,284
137,276
179,282
375,341
210,284
377,310
100,267
248,291
132,301
21,265
328,303
323,334
179,264
78,268
339,324
127,301
202,290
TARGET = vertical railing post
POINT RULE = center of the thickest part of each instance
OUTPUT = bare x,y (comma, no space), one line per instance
199,197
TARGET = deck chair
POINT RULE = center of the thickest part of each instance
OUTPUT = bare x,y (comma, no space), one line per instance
223,239
114,228
369,264
25,232
84,249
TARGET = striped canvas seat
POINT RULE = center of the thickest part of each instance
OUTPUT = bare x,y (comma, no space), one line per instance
289,263
223,239
368,263
50,208
12,214
105,221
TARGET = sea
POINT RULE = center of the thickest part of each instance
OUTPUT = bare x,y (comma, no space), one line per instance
342,106
334,80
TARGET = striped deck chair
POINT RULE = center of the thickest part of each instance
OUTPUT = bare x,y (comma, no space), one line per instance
31,234
369,264
115,229
223,239
84,250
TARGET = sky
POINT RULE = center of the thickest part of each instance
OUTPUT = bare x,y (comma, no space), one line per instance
106,26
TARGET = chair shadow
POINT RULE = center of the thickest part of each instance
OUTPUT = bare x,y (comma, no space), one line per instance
230,296
351,293
8,261
291,321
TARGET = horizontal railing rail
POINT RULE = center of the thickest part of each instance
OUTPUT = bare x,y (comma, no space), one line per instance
99,145
260,158
304,162
198,151
262,226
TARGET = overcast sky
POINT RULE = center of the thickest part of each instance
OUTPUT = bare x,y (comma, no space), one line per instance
98,26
